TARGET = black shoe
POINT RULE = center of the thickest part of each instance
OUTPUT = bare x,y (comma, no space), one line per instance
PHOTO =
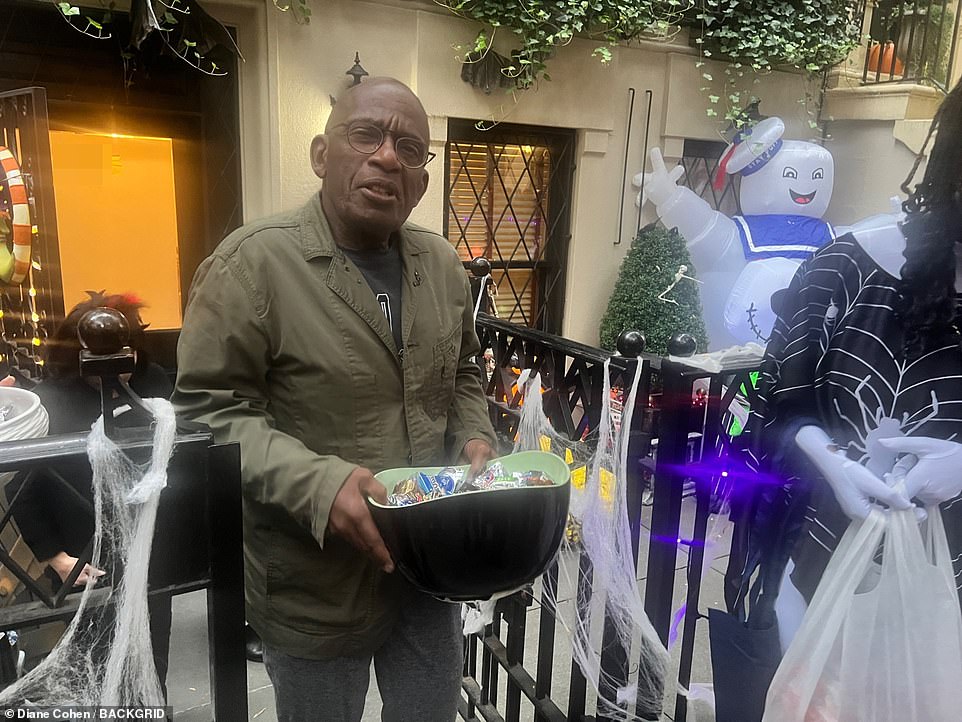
254,647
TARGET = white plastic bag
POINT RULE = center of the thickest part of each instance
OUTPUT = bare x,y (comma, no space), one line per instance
880,642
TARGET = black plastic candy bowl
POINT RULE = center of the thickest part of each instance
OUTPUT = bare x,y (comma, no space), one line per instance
476,544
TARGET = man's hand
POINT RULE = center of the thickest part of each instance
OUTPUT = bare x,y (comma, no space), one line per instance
350,518
477,453
932,468
63,564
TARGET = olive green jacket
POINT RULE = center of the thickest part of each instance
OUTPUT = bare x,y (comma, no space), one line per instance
285,350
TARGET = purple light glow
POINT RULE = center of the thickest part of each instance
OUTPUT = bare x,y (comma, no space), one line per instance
675,622
722,469
677,541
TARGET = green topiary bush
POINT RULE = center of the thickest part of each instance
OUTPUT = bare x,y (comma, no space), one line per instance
649,268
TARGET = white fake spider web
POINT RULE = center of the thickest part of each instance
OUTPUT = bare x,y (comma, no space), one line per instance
105,657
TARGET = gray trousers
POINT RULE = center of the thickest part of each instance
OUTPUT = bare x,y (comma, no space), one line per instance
418,672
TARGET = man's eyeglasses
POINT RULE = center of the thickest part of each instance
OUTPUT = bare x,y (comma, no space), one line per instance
410,152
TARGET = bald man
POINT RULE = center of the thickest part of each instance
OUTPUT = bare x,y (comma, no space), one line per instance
333,342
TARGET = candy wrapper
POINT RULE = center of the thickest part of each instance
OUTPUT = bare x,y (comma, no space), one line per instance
537,478
452,480
449,478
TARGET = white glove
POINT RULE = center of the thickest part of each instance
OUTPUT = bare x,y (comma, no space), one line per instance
932,468
854,485
660,185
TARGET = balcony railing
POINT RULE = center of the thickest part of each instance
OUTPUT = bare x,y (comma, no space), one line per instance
911,41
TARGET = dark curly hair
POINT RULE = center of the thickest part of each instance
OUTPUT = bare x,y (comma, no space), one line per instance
63,346
932,229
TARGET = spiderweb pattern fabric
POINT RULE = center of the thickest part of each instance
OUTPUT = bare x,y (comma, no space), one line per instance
599,506
836,360
104,657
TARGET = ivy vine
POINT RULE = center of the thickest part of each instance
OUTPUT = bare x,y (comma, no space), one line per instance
751,36
806,34
754,37
542,26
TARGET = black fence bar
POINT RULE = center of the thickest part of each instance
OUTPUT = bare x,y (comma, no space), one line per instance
578,685
546,635
225,593
517,624
615,662
673,426
704,483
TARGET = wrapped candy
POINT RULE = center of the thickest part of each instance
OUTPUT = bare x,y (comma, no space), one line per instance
405,487
453,480
425,482
537,478
403,499
497,469
449,478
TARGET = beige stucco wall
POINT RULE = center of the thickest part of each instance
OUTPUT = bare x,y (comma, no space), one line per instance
298,67
876,157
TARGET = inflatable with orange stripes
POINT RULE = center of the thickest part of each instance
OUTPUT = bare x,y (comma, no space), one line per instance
13,202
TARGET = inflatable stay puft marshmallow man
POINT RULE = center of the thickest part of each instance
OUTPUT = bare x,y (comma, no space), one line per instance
743,261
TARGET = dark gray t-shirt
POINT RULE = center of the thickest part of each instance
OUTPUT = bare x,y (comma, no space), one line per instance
382,271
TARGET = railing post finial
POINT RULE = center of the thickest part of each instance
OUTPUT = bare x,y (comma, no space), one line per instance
631,343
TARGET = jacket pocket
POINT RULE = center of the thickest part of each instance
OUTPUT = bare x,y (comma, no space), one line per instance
314,591
438,389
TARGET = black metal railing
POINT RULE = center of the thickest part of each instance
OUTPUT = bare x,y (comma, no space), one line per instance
198,546
693,436
698,460
910,41
198,542
572,375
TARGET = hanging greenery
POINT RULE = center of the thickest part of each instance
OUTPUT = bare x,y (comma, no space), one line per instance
300,9
763,34
542,26
656,293
752,37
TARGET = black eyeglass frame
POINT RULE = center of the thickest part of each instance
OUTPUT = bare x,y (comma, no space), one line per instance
347,128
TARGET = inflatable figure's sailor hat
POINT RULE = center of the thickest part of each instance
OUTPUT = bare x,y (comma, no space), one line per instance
750,150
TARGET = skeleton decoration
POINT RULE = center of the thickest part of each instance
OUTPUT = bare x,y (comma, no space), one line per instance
680,274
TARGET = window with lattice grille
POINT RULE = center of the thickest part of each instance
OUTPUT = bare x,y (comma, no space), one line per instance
509,191
700,160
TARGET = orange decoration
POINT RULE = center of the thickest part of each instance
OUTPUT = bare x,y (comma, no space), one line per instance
881,60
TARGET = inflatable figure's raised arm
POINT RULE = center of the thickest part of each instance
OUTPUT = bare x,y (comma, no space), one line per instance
711,236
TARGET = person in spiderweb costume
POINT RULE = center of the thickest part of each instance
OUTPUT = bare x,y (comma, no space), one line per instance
861,385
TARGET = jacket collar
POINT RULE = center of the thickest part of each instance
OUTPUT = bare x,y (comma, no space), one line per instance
317,241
